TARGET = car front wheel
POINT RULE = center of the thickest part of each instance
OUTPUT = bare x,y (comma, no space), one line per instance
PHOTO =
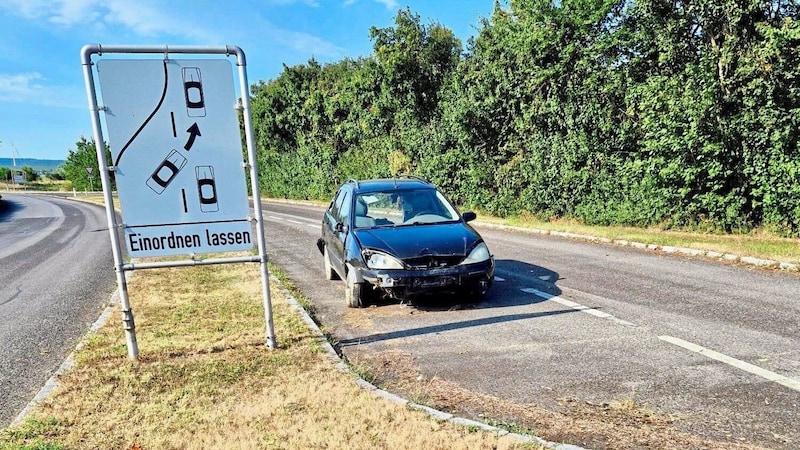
355,293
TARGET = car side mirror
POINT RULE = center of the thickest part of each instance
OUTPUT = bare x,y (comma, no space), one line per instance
469,216
340,227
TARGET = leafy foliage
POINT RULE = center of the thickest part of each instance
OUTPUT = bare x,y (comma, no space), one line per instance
5,174
638,112
75,166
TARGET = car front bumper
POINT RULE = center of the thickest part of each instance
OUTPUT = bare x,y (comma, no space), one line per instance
403,283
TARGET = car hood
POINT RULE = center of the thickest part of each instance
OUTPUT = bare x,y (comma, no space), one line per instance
419,240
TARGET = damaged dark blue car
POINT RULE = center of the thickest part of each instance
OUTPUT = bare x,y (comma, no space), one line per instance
401,239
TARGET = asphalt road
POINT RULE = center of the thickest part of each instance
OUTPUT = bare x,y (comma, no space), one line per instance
713,343
56,275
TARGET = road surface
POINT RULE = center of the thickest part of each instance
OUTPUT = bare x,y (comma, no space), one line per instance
56,275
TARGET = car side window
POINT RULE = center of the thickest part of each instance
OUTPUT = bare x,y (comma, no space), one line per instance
344,210
336,204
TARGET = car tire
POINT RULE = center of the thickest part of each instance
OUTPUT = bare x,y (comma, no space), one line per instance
354,292
330,274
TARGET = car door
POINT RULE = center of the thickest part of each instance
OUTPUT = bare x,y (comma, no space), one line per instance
340,214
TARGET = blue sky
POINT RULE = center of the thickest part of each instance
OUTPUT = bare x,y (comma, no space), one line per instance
43,105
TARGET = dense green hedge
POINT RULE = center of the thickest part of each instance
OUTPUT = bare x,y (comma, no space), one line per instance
643,112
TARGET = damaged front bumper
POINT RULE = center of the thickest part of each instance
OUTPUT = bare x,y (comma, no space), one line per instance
476,277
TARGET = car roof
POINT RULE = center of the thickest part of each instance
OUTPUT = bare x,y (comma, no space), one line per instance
387,184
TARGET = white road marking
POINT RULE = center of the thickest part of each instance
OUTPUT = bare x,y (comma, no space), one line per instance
315,223
577,306
747,367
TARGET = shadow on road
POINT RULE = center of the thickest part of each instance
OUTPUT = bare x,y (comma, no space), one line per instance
399,334
503,294
8,208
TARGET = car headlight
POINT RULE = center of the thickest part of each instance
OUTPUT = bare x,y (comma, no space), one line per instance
478,254
380,260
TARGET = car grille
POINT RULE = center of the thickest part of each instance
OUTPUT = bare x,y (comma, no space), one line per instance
432,261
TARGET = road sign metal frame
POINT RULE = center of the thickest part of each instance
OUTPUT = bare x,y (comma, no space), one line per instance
120,266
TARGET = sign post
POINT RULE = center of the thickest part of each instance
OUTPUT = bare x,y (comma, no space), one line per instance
89,171
177,160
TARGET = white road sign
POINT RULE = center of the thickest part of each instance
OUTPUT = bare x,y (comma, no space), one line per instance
175,141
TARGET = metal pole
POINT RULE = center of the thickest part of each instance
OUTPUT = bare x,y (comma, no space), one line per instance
94,112
244,88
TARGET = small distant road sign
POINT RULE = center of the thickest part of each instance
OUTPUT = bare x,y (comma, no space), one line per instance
176,145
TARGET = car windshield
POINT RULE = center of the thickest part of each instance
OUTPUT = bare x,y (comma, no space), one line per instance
402,207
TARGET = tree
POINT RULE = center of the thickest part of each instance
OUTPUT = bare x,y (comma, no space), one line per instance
77,162
30,174
415,60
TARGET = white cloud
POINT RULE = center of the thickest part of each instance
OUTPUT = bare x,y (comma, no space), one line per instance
142,18
146,18
19,86
72,12
305,43
29,88
313,3
62,12
390,4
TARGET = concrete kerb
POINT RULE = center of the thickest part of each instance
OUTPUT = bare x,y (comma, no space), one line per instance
763,263
435,413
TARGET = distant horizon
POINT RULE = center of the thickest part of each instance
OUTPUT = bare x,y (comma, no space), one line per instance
31,162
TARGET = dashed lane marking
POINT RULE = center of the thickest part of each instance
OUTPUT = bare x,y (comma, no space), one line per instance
577,306
739,364
284,219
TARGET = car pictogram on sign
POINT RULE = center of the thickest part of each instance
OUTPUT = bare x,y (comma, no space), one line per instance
193,92
166,171
206,188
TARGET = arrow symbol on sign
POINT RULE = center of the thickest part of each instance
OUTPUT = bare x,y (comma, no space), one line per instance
193,131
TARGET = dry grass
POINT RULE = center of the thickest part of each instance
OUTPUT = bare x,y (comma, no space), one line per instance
206,380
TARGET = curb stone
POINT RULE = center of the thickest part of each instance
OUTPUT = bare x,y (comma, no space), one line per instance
758,262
